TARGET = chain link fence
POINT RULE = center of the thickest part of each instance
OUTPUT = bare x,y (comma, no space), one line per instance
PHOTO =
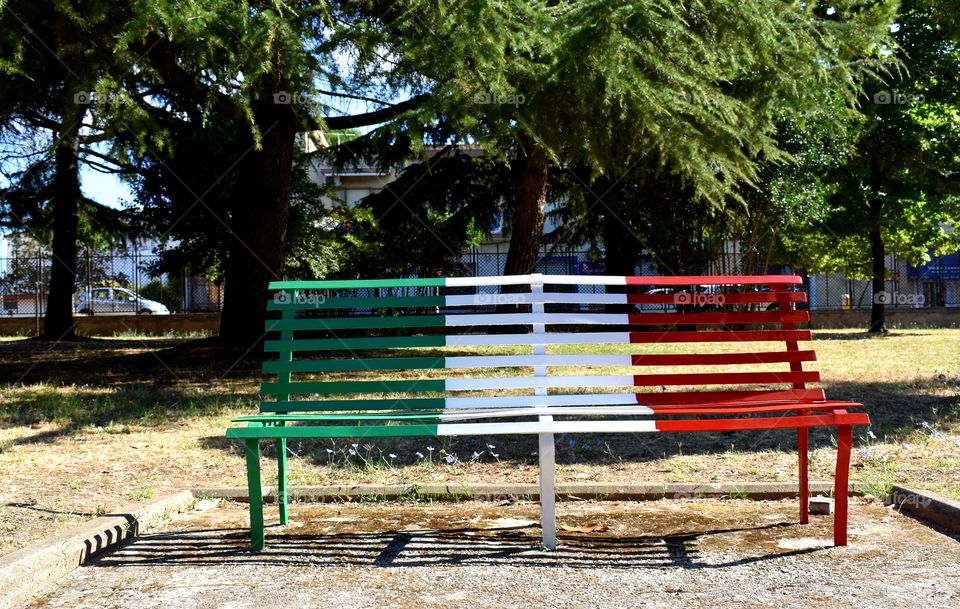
108,283
111,283
936,284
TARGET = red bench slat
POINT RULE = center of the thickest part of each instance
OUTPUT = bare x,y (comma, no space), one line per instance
728,299
725,317
720,336
724,378
817,420
771,280
709,359
797,396
727,409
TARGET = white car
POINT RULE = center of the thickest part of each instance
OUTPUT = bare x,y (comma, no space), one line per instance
658,308
117,301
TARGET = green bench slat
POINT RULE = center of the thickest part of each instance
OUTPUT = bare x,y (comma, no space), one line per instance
334,431
358,283
357,323
354,365
346,344
332,387
389,416
356,302
364,404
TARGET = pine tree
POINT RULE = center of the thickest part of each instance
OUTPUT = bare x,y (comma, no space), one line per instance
696,87
52,54
257,69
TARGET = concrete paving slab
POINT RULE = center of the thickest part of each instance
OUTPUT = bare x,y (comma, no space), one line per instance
29,570
691,552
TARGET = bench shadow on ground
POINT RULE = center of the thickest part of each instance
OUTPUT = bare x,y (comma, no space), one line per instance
510,547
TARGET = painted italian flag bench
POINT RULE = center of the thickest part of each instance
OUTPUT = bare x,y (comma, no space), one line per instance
539,355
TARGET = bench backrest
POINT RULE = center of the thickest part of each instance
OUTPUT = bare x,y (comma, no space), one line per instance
535,340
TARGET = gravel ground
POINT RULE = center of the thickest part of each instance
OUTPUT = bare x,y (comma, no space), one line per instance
689,553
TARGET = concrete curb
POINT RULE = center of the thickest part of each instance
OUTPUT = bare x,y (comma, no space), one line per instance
495,492
28,571
928,506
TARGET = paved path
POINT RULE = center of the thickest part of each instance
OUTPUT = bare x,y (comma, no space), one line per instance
689,553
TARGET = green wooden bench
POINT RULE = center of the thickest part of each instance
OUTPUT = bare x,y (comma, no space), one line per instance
564,354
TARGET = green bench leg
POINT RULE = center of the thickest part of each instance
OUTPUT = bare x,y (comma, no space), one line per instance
282,479
256,494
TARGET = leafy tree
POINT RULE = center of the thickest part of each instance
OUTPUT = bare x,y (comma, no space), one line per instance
51,57
170,293
690,91
899,183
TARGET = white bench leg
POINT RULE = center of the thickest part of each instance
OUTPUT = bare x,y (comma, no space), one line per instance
548,499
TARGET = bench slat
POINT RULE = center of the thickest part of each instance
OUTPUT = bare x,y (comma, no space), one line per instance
748,396
537,411
548,338
725,318
307,303
532,382
348,344
550,319
697,399
356,364
355,302
736,298
721,336
516,361
597,280
546,426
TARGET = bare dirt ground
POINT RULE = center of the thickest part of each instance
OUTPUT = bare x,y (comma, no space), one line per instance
689,553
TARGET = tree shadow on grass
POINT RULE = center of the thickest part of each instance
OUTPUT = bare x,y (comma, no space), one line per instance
108,362
897,410
101,383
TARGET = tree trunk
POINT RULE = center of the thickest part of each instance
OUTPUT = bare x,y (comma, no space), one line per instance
877,253
58,321
879,272
258,226
621,251
526,230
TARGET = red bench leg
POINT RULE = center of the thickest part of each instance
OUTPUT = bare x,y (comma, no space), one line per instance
844,443
802,452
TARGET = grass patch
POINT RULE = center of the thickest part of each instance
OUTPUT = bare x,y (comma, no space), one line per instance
103,422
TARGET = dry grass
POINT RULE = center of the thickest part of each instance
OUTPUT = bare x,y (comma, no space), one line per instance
86,427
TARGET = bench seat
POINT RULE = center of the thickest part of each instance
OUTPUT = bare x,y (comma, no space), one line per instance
564,354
